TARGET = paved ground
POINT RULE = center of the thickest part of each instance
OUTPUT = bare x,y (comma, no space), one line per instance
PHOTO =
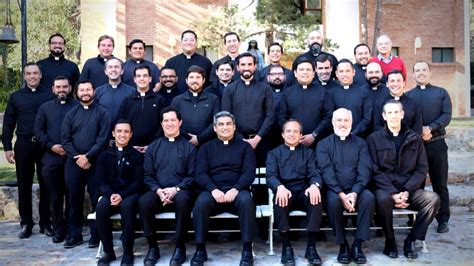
453,248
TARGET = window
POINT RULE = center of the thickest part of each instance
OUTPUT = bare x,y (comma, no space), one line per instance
394,51
313,5
442,55
148,53
313,8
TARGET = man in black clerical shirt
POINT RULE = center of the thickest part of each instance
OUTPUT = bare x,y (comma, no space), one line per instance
225,169
20,114
167,86
169,176
197,107
232,45
93,69
376,89
436,112
293,176
275,54
345,165
224,72
137,52
324,70
48,130
362,57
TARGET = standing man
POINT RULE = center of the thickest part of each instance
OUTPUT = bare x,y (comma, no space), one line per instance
197,107
315,42
232,45
20,114
436,111
275,53
225,169
48,130
376,89
137,52
399,170
345,165
251,102
93,69
362,57
387,61
169,176
181,63
168,89
295,181
324,70
112,94
56,64
224,73
307,102
84,134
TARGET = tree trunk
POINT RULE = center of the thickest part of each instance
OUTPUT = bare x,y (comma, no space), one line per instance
378,19
365,37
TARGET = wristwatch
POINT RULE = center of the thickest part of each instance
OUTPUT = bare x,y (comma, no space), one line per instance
317,184
178,189
314,134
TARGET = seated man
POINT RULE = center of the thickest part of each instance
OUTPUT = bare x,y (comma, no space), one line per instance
225,169
120,179
400,168
295,180
345,164
169,176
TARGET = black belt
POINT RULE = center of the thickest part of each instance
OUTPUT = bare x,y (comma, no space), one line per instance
29,138
435,138
247,135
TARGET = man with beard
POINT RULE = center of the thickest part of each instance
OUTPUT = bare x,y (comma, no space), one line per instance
93,69
224,73
48,130
197,108
19,117
348,95
137,51
412,110
142,110
168,89
181,62
275,53
307,102
376,89
436,111
387,61
345,165
56,64
362,56
84,133
232,45
324,68
251,102
276,78
112,94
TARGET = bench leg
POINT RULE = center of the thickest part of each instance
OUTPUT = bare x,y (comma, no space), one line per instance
99,251
270,235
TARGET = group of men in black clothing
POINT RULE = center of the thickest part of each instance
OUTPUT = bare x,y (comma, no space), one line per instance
191,141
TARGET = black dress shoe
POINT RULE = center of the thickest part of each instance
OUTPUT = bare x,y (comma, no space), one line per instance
344,256
47,230
58,238
312,256
287,257
73,242
179,256
390,249
357,255
127,259
25,232
409,249
247,258
106,259
93,242
442,228
152,256
199,258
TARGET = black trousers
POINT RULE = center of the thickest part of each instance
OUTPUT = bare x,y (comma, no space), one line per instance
53,175
437,153
150,204
365,207
242,206
128,210
298,201
76,181
28,156
425,202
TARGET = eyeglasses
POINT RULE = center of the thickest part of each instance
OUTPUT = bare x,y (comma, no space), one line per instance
168,77
57,43
276,74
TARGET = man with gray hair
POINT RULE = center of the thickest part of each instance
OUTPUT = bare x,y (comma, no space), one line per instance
346,184
386,59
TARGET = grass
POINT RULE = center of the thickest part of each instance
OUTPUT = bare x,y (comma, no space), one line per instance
462,122
7,173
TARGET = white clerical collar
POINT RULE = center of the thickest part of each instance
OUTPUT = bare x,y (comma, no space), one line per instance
188,56
277,90
142,94
85,107
323,83
364,67
247,82
33,90
375,88
226,142
57,58
395,134
120,148
396,98
62,102
305,86
342,138
138,61
114,86
171,139
195,94
168,90
346,87
292,148
422,87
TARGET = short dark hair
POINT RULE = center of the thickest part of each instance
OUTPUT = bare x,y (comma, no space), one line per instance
189,31
246,54
31,64
142,66
305,60
57,34
123,121
167,68
84,81
231,33
395,72
359,45
169,109
275,44
224,61
196,69
61,77
321,58
105,37
134,41
293,120
271,67
345,61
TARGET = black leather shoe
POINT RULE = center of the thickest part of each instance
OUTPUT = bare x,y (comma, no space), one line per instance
247,258
93,242
409,249
106,259
47,230
312,256
152,256
344,256
127,259
73,242
179,256
58,238
25,232
390,249
357,255
198,258
287,257
442,228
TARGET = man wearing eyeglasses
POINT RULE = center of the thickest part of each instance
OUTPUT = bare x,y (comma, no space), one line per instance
168,88
275,54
